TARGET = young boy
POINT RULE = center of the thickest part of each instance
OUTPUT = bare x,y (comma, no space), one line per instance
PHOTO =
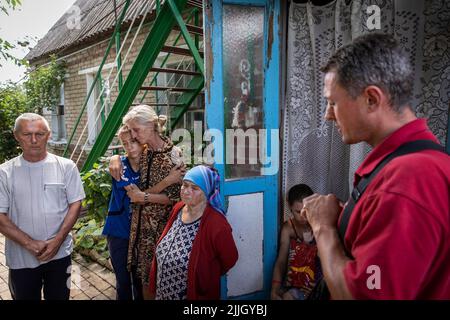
118,221
117,225
297,267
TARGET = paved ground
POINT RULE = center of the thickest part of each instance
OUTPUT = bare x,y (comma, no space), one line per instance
90,281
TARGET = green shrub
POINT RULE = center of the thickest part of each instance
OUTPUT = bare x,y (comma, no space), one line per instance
88,229
88,236
43,85
12,104
97,186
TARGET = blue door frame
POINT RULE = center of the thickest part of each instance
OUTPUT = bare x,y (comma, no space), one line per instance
215,117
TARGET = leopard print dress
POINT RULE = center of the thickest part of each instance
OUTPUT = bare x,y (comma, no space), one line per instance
149,220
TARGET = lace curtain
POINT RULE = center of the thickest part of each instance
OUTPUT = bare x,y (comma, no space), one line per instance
313,152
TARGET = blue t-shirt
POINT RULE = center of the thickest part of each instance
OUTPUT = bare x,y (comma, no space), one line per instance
118,221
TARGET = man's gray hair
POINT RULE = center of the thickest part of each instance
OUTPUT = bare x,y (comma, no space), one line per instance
374,59
29,117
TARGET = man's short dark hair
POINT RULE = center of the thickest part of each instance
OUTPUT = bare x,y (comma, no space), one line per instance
374,59
298,193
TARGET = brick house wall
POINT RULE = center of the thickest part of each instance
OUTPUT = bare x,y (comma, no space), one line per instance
76,86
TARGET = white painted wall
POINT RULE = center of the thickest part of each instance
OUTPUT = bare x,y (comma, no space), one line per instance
245,214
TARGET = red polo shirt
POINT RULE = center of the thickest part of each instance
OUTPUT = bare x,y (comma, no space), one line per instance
399,231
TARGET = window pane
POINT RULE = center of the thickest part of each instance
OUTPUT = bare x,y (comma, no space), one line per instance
243,43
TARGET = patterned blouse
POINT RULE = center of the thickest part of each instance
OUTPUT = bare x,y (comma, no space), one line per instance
172,255
148,221
303,270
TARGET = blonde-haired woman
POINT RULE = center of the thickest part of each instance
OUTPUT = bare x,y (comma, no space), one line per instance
150,211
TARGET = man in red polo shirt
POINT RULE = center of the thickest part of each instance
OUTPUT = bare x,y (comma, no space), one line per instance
398,235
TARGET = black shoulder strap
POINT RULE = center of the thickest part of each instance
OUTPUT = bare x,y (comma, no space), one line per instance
409,147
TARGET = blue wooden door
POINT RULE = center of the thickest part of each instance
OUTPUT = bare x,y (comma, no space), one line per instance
242,112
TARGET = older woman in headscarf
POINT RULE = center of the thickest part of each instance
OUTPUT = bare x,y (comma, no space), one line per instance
150,210
196,247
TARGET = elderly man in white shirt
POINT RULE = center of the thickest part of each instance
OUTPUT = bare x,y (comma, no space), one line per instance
40,200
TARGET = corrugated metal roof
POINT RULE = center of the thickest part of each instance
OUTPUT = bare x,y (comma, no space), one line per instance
96,17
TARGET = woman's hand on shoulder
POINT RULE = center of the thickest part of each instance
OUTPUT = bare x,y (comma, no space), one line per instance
176,174
115,167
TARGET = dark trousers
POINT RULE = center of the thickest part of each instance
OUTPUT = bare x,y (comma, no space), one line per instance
54,276
118,251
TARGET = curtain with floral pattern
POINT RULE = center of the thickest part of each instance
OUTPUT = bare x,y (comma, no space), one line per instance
313,152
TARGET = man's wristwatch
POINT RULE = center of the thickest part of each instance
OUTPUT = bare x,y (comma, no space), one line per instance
146,197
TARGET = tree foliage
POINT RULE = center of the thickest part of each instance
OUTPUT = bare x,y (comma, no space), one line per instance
43,85
5,5
12,104
6,46
41,89
97,186
88,230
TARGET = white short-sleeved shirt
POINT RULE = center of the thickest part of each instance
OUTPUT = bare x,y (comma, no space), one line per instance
36,197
